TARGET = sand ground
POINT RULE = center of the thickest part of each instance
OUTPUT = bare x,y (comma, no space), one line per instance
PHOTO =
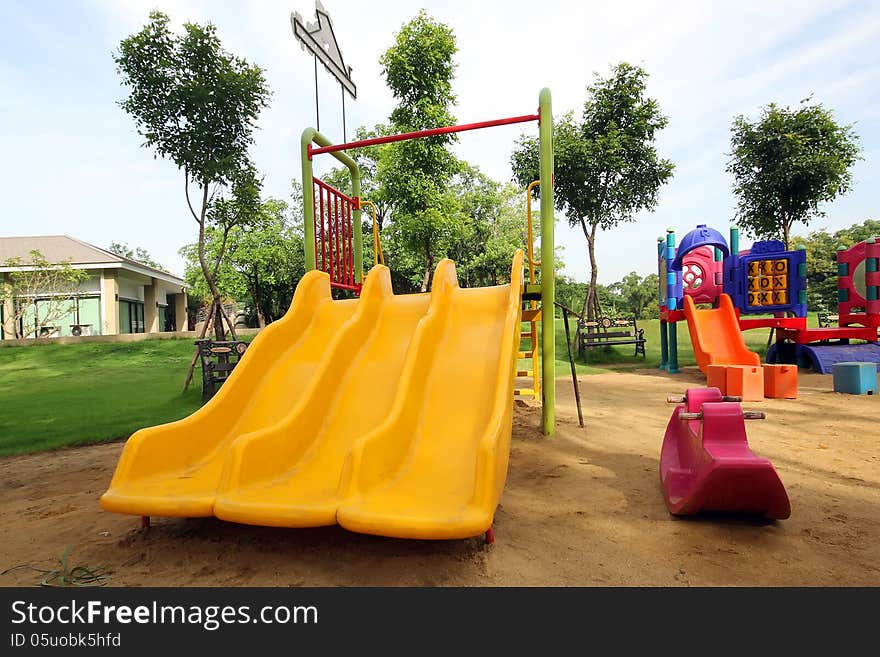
581,508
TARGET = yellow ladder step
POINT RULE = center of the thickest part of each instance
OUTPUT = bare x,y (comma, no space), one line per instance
531,315
524,392
525,373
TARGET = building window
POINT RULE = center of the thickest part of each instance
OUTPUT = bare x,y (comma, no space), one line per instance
131,316
49,317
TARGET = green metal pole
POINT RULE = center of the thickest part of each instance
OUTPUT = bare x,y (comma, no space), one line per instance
548,271
308,190
309,136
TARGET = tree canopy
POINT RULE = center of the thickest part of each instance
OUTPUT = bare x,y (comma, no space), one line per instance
264,262
821,247
418,69
786,163
196,104
137,254
607,168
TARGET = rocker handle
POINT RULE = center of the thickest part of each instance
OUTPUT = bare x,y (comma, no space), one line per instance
680,399
747,415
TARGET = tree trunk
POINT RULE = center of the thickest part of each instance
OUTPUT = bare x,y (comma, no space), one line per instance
255,293
220,314
429,266
591,308
786,232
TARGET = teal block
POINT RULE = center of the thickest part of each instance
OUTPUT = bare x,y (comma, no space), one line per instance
855,378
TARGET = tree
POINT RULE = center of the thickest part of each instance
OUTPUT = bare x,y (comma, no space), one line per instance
137,254
786,163
264,262
607,168
491,227
821,250
418,69
54,284
636,295
196,104
367,159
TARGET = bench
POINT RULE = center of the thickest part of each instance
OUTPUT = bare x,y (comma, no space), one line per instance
607,331
218,361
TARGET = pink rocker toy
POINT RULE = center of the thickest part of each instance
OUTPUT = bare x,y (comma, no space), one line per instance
706,463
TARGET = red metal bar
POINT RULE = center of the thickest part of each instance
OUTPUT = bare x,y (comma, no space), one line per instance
350,245
353,288
334,191
421,133
346,228
335,274
323,233
343,243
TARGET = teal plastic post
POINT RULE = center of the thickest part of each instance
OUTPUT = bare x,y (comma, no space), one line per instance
664,346
672,367
734,241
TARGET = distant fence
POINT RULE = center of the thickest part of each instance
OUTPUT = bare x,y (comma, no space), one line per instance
122,337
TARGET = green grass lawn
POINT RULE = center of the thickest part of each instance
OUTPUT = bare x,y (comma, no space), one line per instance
62,395
622,357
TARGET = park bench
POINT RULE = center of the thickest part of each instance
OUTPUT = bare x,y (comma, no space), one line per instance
607,331
218,358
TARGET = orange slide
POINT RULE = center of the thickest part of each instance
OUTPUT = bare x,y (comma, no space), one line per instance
715,335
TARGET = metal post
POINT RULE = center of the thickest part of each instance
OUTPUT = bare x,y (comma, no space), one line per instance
548,272
317,109
344,137
574,378
311,135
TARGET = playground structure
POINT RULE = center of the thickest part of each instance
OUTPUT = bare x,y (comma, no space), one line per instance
764,280
706,464
387,414
858,311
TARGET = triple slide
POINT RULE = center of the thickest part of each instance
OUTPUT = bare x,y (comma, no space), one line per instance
389,414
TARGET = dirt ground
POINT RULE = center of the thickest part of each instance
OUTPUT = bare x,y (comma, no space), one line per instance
581,508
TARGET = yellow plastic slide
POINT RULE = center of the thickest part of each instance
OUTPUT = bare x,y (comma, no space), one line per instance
437,466
715,335
287,474
390,415
174,469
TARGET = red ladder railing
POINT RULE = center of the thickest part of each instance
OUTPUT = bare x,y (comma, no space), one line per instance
334,243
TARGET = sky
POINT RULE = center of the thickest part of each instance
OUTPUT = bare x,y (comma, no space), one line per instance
74,164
